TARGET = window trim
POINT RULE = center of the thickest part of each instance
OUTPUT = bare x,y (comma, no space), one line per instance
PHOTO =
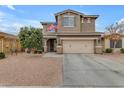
69,16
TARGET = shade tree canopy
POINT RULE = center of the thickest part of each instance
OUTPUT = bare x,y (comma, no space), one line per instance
31,37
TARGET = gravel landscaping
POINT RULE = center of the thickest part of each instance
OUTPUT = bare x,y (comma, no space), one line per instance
30,70
118,57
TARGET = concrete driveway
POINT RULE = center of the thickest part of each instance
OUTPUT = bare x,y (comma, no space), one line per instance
89,70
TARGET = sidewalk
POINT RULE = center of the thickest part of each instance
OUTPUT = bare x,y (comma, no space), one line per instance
52,54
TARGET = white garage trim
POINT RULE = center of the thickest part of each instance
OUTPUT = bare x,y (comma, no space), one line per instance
78,38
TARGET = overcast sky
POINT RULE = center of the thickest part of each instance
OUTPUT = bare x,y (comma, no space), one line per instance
14,17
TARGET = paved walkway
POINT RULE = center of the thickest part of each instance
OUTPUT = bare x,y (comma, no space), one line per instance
53,54
30,70
85,70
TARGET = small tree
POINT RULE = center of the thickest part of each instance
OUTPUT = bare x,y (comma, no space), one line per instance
31,37
114,32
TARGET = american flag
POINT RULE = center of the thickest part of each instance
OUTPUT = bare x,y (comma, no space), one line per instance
52,27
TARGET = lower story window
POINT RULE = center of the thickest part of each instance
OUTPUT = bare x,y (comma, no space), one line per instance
98,42
118,44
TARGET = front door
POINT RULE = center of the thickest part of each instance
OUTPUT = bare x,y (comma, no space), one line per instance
52,45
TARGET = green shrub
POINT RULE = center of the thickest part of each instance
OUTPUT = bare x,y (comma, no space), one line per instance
2,55
108,50
122,50
39,51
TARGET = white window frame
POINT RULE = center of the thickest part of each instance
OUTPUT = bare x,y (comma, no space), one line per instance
69,16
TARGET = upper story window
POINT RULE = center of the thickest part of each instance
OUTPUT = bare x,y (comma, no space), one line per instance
68,21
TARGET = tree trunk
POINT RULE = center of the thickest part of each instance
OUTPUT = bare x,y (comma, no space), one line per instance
114,47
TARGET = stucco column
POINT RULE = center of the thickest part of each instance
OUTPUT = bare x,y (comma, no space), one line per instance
59,46
45,45
59,41
107,43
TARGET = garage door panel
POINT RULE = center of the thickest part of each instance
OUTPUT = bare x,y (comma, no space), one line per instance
74,46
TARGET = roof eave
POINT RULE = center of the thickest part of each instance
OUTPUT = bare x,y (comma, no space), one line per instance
91,16
59,13
45,23
7,34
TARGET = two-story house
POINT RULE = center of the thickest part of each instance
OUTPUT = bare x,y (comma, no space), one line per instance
75,33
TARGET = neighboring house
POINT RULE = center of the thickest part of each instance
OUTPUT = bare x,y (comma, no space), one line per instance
75,34
110,44
8,41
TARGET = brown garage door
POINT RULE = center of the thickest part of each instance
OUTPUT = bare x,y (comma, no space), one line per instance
78,46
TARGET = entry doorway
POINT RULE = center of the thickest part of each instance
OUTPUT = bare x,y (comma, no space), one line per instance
51,45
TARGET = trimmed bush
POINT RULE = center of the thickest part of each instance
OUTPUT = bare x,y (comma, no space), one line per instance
2,55
122,50
39,51
108,50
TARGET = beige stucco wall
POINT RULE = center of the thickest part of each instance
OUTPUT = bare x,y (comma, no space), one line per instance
79,26
74,29
44,28
59,49
107,44
7,43
88,27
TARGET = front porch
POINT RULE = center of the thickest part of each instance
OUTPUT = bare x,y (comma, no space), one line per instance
50,45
